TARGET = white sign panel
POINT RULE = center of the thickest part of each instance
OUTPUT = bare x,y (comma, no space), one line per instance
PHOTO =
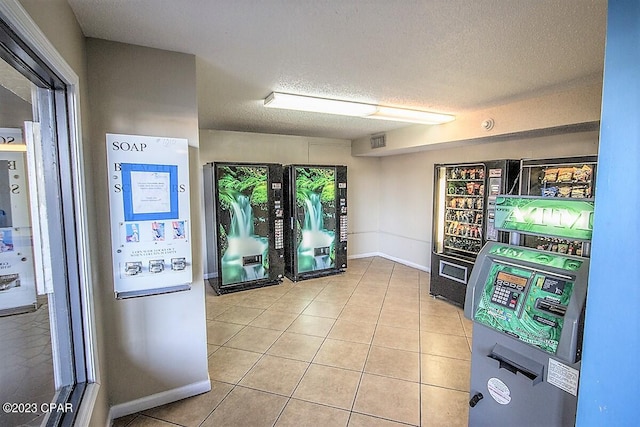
17,281
150,214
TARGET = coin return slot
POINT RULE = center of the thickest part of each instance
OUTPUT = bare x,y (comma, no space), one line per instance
156,266
178,263
132,268
251,260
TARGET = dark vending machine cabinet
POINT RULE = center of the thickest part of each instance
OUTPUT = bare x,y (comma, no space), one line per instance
316,211
249,225
463,212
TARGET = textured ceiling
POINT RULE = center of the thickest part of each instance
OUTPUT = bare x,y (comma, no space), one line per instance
443,55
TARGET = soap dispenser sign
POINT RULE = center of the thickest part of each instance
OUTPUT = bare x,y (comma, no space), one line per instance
150,214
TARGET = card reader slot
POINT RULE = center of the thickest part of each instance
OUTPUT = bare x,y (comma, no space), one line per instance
517,363
551,306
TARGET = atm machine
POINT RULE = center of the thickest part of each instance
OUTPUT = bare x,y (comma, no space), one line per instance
528,307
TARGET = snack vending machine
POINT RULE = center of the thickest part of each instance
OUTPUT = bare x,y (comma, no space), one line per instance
565,177
527,306
316,209
246,216
464,204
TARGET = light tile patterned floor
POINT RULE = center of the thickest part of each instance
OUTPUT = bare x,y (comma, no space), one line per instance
369,347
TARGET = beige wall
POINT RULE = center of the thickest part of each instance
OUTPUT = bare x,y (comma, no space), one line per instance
576,108
406,192
362,173
156,345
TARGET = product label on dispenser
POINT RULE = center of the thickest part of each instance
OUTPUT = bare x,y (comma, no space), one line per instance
563,376
499,391
150,212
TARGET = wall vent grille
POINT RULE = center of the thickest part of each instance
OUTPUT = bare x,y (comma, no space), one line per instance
379,141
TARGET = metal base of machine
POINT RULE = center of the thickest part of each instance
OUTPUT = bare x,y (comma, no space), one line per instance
313,274
242,286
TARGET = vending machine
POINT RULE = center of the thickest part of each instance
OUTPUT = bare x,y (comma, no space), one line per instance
316,211
564,177
245,213
527,306
464,204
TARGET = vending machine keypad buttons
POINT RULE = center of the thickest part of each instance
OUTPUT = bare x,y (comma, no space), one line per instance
279,234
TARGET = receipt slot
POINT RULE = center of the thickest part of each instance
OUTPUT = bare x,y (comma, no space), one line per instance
527,307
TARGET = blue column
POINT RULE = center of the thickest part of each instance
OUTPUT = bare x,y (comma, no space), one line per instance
610,379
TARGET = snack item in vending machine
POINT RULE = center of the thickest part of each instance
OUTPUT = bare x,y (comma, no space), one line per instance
565,174
550,175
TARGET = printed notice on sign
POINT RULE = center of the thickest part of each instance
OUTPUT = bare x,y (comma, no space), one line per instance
151,192
563,376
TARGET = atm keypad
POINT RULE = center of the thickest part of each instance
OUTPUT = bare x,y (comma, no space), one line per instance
505,297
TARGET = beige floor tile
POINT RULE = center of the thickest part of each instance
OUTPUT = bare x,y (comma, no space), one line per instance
402,339
360,313
444,408
346,330
230,365
328,386
211,349
392,316
193,411
214,308
299,413
290,305
438,307
441,324
312,325
275,375
342,354
323,309
273,319
389,398
296,346
339,300
369,299
124,421
453,346
262,301
219,333
445,372
402,303
467,325
246,407
391,362
240,315
254,339
304,291
361,420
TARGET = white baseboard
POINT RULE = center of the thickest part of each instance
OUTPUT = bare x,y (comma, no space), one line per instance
390,258
158,399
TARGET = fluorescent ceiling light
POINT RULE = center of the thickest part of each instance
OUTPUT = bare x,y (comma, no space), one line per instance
318,105
355,109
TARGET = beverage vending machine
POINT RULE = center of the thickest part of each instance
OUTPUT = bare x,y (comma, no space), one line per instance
527,306
463,211
316,211
245,216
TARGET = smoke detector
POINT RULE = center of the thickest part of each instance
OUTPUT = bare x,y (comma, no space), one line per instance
488,124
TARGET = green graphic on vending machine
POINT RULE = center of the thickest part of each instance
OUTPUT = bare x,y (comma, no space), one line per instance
525,305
